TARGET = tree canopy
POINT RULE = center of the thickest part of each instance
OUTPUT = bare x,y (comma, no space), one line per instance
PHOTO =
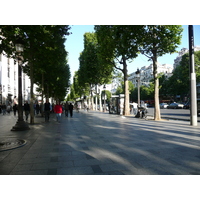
119,44
43,49
180,78
157,41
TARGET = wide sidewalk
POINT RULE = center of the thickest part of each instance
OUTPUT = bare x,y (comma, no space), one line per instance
96,143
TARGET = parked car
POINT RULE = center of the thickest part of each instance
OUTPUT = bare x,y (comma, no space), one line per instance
175,105
163,105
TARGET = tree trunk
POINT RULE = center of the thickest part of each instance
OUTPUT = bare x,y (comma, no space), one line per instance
92,99
100,100
126,88
42,103
156,89
31,103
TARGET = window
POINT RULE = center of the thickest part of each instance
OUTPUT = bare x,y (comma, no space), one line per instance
8,71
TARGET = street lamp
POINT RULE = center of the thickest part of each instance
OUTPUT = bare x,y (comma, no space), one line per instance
193,94
20,125
104,87
138,83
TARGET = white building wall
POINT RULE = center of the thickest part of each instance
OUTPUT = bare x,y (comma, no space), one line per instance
146,73
9,81
183,51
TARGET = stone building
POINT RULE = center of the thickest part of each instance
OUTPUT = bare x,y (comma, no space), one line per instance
9,81
183,51
146,73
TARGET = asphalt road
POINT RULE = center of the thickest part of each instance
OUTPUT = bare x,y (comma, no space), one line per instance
177,114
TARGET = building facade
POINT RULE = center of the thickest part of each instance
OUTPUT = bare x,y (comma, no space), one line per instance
9,81
146,74
183,51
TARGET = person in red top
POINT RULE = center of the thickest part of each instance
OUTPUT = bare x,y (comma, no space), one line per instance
58,111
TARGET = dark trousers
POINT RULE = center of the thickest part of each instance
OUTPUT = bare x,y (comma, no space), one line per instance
47,113
66,113
71,113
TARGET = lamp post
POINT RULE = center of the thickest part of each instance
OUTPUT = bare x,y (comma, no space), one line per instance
99,94
20,125
104,87
193,95
138,83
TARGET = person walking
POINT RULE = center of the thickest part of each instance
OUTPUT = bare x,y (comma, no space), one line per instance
3,108
26,110
37,108
8,108
47,108
66,109
15,109
71,107
58,111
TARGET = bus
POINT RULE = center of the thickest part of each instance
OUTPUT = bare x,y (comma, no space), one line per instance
198,99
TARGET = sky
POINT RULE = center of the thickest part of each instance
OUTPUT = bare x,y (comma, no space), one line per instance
74,46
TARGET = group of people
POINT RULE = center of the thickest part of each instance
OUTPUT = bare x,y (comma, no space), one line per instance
8,108
58,110
5,109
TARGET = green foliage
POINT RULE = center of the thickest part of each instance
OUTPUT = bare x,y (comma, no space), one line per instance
179,82
119,44
160,39
44,50
157,41
146,93
108,95
79,88
91,70
116,41
120,88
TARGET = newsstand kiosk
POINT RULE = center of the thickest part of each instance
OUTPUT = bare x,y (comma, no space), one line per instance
116,104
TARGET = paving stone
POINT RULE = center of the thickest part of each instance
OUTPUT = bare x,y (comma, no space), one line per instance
54,159
89,157
52,172
85,148
97,143
96,169
75,171
23,167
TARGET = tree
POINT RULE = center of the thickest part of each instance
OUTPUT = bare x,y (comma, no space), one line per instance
44,53
91,71
157,41
118,45
43,49
180,77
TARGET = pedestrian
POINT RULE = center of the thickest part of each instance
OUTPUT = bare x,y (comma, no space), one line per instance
66,109
27,110
78,106
15,100
8,108
15,109
37,108
71,107
58,110
47,109
4,108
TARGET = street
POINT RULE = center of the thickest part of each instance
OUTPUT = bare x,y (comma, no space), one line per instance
177,114
96,143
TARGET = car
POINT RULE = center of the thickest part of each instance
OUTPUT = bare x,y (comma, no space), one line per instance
175,105
163,105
